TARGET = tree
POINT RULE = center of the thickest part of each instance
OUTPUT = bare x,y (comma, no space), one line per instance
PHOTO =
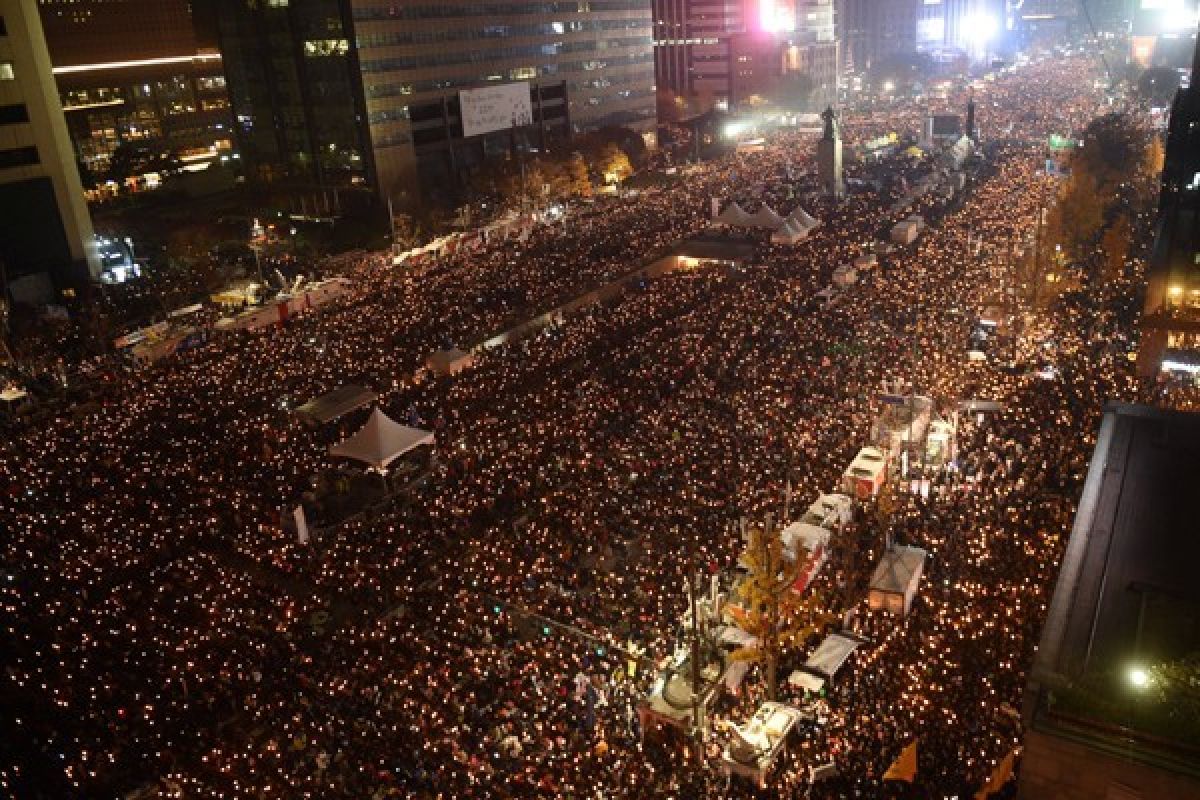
579,184
613,162
1115,245
1176,685
1158,85
1114,148
1075,220
772,611
670,106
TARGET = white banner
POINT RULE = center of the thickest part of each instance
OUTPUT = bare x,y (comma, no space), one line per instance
495,108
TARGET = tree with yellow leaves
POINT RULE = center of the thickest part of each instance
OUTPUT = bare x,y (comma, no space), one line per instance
1115,244
772,611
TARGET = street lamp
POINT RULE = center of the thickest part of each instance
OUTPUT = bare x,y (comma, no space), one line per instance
1139,678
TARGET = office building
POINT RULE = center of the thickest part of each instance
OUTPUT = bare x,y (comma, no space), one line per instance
134,84
729,53
46,241
873,30
334,94
1163,33
956,28
1107,706
1171,315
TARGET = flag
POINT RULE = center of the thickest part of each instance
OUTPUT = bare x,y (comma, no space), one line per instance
904,768
1000,776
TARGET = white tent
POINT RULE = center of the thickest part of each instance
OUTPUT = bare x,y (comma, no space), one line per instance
789,233
895,581
824,663
381,441
450,361
733,215
339,402
804,219
766,217
753,747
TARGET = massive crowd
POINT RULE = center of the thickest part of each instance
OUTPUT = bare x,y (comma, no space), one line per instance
165,630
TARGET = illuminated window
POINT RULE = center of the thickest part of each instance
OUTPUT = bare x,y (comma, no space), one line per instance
326,47
6,71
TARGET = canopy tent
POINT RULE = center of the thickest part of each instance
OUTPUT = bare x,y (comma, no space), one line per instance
824,663
788,233
803,219
450,361
733,215
895,581
766,217
753,747
339,402
381,441
987,406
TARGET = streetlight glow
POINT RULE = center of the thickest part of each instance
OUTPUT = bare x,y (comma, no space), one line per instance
979,29
1139,677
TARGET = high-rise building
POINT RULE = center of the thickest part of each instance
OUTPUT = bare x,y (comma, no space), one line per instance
969,27
872,30
135,84
46,240
381,95
1171,316
723,53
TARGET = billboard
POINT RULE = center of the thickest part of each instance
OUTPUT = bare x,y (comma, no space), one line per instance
495,108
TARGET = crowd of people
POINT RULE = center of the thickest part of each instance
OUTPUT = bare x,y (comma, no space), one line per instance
471,637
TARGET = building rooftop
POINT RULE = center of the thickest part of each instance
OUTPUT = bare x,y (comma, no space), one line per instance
1122,637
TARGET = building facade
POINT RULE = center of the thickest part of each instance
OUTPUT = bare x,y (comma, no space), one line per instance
872,30
366,93
973,28
46,242
135,84
725,53
1171,315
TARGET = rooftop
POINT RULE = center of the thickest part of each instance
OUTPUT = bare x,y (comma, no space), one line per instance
1119,651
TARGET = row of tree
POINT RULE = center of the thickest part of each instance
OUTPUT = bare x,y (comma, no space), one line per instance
1089,225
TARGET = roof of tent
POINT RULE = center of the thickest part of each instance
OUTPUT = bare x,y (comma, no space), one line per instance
809,536
803,218
332,405
766,217
381,441
733,215
897,568
825,661
789,233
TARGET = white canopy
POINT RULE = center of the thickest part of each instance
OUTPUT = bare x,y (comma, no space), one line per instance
824,663
337,403
766,217
381,441
450,361
897,569
804,219
812,538
733,215
789,233
831,654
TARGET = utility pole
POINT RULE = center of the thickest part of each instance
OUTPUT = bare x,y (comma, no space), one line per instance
697,732
8,353
912,392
